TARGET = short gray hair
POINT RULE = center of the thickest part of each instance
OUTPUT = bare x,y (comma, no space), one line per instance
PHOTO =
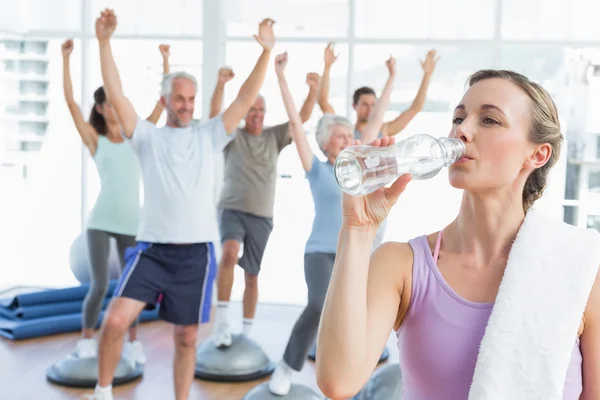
260,96
325,125
169,79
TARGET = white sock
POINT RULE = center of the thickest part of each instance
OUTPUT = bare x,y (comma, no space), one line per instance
247,325
222,308
286,367
105,389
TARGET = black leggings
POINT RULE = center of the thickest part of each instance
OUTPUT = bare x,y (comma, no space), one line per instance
99,248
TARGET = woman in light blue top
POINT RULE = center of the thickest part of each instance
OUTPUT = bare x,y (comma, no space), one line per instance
334,133
116,211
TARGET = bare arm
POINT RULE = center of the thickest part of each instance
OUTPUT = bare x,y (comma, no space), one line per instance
399,123
159,108
373,127
312,79
590,345
105,26
323,96
225,75
88,134
358,317
249,90
364,296
295,121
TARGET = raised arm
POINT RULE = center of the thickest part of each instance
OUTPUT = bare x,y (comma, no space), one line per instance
397,125
323,95
363,302
295,121
375,123
225,75
88,134
105,26
249,90
158,109
312,79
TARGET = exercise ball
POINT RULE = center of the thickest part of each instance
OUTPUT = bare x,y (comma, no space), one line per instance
297,392
79,259
73,371
385,384
243,361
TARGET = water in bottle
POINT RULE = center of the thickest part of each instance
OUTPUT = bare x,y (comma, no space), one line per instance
360,170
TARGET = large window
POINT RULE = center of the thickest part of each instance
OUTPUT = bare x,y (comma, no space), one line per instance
550,20
40,170
427,19
152,17
40,15
540,63
294,18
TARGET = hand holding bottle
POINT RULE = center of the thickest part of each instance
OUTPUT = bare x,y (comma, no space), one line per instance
370,210
360,170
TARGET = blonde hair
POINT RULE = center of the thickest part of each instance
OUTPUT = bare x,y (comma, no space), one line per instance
325,128
545,127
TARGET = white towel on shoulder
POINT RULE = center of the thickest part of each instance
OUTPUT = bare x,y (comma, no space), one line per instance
529,339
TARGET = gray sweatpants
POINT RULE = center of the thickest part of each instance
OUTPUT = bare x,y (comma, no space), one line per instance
318,268
99,247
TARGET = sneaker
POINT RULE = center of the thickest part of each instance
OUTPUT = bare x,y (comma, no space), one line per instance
99,396
222,335
281,380
135,351
87,348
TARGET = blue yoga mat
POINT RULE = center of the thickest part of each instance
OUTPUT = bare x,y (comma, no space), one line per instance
26,329
46,310
47,296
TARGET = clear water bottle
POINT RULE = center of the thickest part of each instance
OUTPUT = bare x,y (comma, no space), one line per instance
360,170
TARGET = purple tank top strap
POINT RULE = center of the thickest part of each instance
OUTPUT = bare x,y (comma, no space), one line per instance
421,271
436,253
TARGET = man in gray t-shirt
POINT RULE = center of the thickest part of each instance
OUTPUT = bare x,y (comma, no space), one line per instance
247,199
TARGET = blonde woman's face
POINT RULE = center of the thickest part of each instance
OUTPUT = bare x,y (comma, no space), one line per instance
493,119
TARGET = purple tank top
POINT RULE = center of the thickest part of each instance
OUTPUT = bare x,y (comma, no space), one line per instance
441,333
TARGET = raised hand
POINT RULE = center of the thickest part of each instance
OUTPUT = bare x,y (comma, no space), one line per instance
280,62
266,37
225,75
106,24
430,61
165,50
313,79
369,211
67,48
391,65
330,55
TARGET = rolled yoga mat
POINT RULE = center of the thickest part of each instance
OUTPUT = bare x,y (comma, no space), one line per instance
30,328
45,310
47,296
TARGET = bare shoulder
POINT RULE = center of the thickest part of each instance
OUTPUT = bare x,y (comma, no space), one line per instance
392,253
392,264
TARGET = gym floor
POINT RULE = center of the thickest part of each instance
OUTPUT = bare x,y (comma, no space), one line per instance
23,363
